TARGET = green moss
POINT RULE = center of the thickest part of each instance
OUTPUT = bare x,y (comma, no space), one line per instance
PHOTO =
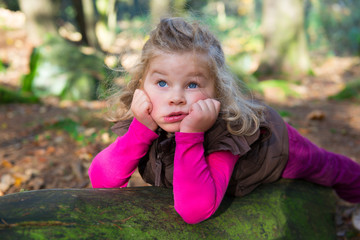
350,91
10,96
283,85
283,210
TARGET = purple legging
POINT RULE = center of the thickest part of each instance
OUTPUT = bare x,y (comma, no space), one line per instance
314,164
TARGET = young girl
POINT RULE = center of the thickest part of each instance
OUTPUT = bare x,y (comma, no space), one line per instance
185,124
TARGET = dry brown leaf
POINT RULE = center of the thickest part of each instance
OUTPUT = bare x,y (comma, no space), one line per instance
6,164
27,159
316,115
303,131
40,152
18,181
50,150
36,183
42,159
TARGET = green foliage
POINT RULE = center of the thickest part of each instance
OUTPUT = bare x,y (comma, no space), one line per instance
12,5
81,134
350,91
283,85
62,69
286,209
10,96
333,26
241,40
27,80
3,66
284,113
75,131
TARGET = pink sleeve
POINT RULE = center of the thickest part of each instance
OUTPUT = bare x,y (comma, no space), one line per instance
114,165
199,183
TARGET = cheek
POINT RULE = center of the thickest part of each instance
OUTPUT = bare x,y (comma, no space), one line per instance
156,102
199,96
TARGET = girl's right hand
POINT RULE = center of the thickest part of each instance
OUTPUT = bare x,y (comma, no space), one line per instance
141,108
202,116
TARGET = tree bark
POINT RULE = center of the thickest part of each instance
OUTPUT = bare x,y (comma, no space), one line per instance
40,18
285,48
159,9
283,210
178,7
90,23
106,24
80,19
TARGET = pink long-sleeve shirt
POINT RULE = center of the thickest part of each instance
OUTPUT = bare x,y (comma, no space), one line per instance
199,182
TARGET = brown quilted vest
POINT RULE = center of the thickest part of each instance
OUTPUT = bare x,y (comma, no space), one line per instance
262,156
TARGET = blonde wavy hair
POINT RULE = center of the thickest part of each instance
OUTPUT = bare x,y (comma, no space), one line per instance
175,35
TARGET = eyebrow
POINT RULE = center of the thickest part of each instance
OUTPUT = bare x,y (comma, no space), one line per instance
158,72
191,74
196,74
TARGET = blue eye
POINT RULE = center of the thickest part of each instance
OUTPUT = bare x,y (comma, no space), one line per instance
193,85
162,83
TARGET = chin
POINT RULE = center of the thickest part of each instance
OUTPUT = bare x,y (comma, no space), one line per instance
171,129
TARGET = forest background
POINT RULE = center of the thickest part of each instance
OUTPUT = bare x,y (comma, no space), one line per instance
58,59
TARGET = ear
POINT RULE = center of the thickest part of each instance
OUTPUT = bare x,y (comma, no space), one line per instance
141,84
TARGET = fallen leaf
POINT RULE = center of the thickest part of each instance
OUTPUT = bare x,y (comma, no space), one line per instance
50,150
36,183
6,164
42,159
303,131
77,170
5,182
356,218
105,137
27,159
40,152
89,131
18,181
316,115
31,172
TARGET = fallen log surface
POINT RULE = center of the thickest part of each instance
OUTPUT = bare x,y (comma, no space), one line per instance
287,209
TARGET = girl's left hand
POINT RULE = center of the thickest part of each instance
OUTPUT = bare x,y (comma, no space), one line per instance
202,116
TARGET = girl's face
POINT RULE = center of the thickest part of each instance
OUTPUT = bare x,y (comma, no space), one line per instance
173,82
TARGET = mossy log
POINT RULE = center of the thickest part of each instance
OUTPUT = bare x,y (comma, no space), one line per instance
287,209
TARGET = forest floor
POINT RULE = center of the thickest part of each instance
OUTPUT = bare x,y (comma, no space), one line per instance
51,144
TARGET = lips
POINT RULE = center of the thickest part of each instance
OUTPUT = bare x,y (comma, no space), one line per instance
175,117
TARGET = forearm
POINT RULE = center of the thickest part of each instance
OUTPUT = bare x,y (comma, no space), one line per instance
199,183
114,165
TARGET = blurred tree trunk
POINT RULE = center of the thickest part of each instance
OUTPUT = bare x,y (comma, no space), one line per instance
270,212
89,23
285,49
159,9
80,19
106,24
98,31
166,8
178,7
40,18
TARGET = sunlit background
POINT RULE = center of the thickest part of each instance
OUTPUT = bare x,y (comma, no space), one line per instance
58,59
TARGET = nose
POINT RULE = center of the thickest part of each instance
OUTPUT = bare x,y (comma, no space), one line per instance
177,97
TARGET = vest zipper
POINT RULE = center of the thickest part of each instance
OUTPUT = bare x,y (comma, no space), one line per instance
158,165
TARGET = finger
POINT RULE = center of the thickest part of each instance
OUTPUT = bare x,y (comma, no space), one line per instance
140,94
195,107
149,107
211,105
137,97
141,98
217,105
203,105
